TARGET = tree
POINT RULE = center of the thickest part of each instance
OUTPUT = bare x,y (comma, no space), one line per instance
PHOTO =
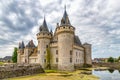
118,58
14,56
48,58
111,59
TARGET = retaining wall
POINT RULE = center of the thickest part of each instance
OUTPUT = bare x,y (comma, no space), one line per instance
15,70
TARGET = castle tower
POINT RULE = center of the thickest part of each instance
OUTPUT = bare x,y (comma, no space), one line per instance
87,56
65,34
28,50
20,52
43,38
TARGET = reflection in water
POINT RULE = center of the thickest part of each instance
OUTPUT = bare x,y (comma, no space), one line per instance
111,70
107,74
119,71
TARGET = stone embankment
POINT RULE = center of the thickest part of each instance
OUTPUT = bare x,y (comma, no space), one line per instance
109,65
16,70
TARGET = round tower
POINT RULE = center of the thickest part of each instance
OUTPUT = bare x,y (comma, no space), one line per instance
65,35
20,52
43,38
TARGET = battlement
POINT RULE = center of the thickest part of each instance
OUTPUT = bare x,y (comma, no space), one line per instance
44,35
62,29
53,45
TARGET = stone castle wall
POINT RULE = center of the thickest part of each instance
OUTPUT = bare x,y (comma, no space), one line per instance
65,46
88,57
16,70
43,43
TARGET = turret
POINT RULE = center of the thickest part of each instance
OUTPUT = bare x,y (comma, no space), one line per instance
43,38
28,50
65,34
20,51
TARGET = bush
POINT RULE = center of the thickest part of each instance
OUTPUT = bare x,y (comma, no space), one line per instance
111,59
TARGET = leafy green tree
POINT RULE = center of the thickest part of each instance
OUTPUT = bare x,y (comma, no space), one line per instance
48,58
118,58
111,59
14,56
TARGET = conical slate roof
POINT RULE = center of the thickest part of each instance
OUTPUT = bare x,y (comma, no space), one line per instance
77,40
65,19
21,45
30,44
43,27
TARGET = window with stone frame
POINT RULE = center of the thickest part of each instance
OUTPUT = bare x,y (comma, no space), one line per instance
56,59
45,60
56,52
71,52
76,53
70,60
46,46
44,52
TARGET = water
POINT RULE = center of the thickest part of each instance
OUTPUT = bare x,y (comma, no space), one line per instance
107,74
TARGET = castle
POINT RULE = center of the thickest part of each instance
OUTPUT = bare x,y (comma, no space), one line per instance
64,46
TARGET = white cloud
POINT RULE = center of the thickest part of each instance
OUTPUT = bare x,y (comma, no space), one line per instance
96,22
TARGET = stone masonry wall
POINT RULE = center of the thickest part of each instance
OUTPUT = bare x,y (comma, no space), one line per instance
15,70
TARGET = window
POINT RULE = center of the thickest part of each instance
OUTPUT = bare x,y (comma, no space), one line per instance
76,53
56,59
46,46
44,60
56,52
70,60
70,52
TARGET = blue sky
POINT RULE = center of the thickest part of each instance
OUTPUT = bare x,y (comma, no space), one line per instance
96,21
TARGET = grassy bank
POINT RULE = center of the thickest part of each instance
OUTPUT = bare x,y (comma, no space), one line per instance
59,75
1,63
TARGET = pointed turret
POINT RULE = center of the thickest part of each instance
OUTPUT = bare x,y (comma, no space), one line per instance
21,45
65,19
43,27
30,44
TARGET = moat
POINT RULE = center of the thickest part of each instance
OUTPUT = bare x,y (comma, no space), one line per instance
107,74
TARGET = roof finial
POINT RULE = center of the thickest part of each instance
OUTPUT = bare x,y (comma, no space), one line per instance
44,17
65,7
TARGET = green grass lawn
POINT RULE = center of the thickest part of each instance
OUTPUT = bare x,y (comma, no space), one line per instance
58,75
1,63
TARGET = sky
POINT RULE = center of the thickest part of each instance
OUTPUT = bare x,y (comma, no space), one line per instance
96,21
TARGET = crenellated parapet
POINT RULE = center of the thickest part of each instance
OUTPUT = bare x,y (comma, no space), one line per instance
62,29
53,45
44,35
